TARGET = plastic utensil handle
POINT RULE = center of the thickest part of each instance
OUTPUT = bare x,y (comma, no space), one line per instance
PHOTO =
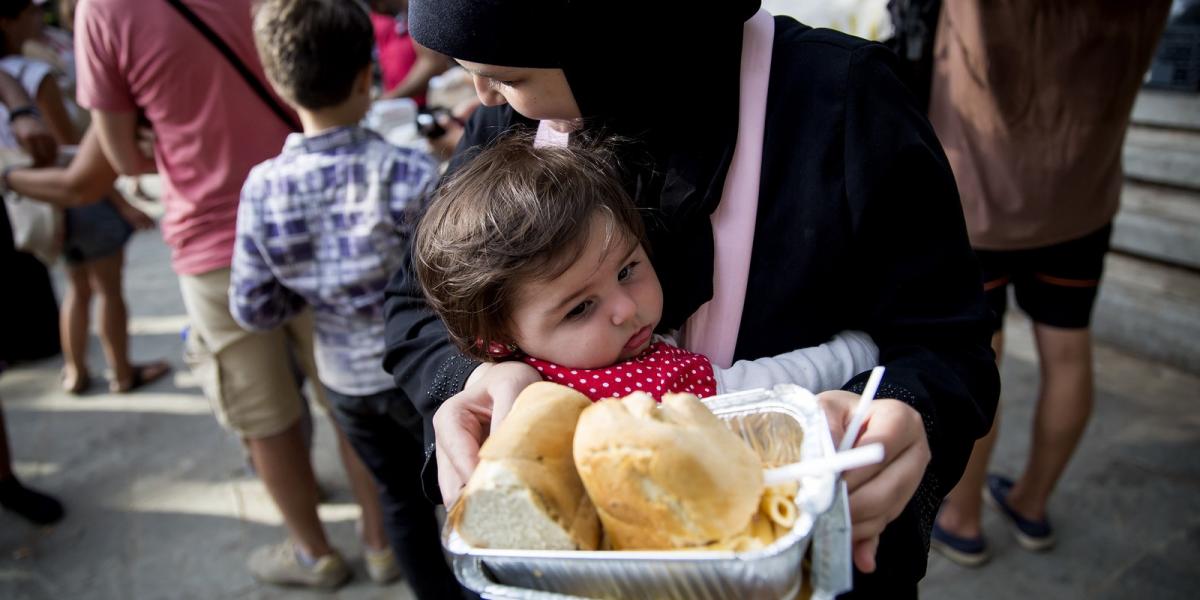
842,461
860,411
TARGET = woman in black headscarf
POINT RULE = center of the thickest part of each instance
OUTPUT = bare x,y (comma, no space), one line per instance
858,227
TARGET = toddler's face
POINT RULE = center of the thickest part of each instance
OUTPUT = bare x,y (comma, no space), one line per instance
600,311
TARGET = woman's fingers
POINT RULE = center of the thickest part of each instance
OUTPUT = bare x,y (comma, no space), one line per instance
889,491
449,480
838,406
898,427
864,554
463,422
505,382
459,426
879,493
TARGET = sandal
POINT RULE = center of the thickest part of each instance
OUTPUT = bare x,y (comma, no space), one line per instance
142,375
82,382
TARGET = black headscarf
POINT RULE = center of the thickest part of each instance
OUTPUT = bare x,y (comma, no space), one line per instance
651,62
663,72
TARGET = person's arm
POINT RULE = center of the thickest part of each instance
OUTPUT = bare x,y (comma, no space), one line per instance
86,180
428,65
102,87
28,128
925,310
118,135
817,369
257,300
54,112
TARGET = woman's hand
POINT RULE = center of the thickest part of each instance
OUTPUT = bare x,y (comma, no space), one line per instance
443,146
464,421
879,493
135,217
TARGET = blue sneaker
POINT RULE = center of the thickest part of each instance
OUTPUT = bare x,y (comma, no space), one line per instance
1036,536
968,552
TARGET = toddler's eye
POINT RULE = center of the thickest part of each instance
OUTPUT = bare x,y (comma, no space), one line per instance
626,271
580,310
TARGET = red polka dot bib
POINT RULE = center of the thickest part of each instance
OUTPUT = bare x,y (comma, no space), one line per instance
662,368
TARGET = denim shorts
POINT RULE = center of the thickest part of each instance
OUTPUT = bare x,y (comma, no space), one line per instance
93,231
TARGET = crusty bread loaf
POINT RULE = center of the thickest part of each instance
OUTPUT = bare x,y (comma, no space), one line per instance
526,493
665,476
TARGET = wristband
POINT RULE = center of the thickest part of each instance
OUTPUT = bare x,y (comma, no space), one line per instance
24,111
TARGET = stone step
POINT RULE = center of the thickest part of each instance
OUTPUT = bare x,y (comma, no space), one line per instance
1158,222
1161,108
1163,156
1150,309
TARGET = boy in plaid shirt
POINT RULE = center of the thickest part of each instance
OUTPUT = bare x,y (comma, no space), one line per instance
325,224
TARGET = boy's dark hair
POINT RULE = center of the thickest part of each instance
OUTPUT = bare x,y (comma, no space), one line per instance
512,215
313,50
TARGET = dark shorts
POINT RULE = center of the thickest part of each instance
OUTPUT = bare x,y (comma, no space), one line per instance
1055,285
93,231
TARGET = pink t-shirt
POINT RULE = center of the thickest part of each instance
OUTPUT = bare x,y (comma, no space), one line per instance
211,128
396,52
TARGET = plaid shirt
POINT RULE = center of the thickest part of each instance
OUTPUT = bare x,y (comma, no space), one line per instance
325,224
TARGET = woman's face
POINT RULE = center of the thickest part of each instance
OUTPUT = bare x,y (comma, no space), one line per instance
540,94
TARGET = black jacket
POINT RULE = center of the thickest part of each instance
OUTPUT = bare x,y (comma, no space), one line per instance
859,227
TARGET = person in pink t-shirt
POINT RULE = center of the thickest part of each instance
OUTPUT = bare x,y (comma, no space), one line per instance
210,128
405,65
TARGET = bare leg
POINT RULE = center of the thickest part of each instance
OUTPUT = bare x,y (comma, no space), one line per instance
107,281
73,326
960,514
283,465
105,274
366,492
1063,410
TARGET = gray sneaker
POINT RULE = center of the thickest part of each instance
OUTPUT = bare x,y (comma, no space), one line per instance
279,564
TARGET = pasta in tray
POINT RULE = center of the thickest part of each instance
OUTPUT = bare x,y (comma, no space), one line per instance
777,514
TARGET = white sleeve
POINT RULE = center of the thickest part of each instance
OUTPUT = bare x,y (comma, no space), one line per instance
817,369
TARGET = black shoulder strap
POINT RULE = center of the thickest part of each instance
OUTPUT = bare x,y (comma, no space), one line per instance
233,59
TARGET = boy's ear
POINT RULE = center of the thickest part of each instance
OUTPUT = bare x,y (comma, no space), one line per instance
362,85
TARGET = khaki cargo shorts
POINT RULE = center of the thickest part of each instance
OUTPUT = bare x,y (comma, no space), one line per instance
248,376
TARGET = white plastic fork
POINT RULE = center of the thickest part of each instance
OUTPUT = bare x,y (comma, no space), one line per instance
834,463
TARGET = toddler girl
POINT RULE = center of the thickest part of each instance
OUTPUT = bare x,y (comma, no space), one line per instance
536,254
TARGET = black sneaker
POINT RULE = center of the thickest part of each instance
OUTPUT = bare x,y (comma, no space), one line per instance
34,506
1036,536
968,552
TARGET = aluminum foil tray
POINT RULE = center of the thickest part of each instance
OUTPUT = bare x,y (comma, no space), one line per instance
782,425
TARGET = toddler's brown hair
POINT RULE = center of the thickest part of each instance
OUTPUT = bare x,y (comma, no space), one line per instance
515,214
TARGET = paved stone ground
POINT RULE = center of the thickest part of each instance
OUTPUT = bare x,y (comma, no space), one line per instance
161,507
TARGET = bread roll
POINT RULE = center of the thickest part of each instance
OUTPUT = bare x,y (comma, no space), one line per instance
525,494
665,477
